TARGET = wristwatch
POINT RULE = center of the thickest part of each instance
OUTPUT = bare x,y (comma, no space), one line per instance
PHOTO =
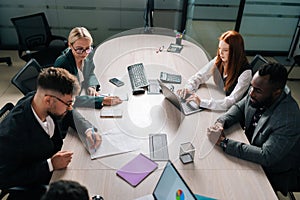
223,143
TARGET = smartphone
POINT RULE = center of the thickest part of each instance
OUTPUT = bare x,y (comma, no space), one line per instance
116,82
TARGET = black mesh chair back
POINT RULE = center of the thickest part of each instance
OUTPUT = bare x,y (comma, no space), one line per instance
296,62
6,60
35,37
257,62
25,79
33,31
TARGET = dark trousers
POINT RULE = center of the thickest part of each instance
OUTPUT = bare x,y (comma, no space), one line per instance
28,193
285,182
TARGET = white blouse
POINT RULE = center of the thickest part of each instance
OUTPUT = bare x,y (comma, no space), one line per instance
219,104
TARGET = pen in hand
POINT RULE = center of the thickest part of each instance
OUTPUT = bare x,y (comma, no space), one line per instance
94,139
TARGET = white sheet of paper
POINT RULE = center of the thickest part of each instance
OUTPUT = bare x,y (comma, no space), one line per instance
115,142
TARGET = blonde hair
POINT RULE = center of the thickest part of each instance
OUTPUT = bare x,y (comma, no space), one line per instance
79,32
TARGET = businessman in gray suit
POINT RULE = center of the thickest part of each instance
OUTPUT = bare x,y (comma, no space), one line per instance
271,120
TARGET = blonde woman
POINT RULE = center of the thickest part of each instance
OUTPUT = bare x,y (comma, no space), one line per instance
78,60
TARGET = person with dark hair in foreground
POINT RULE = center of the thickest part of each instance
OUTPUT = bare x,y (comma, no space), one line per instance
31,135
271,119
66,190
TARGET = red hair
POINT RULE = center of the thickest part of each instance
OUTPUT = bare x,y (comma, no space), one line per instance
236,60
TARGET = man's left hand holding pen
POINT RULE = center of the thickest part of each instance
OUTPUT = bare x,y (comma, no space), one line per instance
94,139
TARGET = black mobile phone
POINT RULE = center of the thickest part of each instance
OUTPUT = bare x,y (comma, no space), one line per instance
116,82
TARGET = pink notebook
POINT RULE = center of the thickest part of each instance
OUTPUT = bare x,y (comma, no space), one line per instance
137,169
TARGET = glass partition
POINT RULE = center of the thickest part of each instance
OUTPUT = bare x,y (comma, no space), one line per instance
156,31
268,27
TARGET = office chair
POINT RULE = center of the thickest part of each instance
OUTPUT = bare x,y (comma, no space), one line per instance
36,40
257,62
7,60
25,79
296,61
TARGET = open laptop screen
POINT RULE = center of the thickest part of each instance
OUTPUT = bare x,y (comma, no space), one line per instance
172,186
176,101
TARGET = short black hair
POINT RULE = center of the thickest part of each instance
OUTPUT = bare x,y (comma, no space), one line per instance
278,74
66,190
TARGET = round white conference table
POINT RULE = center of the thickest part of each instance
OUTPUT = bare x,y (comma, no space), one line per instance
212,173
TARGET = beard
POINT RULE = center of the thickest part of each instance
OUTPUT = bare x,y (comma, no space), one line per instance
255,104
260,104
56,116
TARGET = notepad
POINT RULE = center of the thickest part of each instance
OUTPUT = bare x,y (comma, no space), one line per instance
158,146
175,48
136,170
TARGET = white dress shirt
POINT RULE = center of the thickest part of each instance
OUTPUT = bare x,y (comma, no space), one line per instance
49,127
219,104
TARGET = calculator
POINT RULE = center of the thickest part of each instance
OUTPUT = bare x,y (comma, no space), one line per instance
170,78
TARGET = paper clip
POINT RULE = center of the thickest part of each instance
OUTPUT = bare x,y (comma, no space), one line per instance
160,49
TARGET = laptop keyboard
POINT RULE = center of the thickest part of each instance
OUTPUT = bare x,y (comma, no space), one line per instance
185,107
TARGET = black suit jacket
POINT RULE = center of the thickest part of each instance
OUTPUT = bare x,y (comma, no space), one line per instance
25,146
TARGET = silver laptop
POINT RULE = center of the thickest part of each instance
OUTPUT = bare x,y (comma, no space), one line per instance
170,186
181,105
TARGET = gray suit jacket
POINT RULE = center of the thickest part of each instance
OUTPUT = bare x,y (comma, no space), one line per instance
67,61
275,143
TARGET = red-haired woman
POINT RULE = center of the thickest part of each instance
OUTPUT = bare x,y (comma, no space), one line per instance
230,70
